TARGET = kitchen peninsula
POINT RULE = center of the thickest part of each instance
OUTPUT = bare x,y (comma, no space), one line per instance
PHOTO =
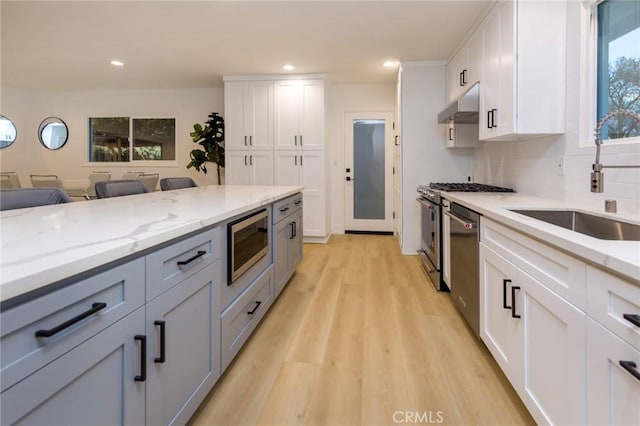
125,305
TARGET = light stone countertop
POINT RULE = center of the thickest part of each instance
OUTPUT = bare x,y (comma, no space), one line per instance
621,257
43,245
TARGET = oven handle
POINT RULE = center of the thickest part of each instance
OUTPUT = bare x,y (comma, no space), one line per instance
467,225
427,204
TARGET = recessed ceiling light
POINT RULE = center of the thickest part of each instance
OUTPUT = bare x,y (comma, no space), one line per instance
288,67
389,64
117,63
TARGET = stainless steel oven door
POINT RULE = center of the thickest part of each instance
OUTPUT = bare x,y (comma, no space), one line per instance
430,230
248,243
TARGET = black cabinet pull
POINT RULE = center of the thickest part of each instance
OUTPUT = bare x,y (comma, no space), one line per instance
295,140
295,229
632,318
395,140
95,307
489,119
504,293
161,358
630,366
450,133
460,79
295,160
253,311
251,140
513,302
183,263
284,209
300,140
301,155
291,232
251,160
245,141
245,160
464,77
493,117
143,358
297,202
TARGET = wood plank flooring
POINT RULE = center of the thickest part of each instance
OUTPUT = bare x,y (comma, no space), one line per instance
361,337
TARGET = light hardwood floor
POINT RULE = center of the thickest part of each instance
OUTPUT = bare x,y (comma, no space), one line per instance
361,337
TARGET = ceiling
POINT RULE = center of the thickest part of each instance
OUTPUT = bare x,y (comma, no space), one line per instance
53,45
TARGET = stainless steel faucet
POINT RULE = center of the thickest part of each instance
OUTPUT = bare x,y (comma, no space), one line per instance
597,177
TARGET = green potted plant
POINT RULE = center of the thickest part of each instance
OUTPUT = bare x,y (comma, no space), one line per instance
211,138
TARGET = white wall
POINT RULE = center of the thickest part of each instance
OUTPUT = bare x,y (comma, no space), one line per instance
28,108
425,157
343,99
531,166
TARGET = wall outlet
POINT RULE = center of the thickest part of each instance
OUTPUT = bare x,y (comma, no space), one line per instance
560,166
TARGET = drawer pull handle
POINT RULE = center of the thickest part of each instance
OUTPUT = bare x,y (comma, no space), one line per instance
630,366
143,358
94,308
183,263
253,311
513,302
632,318
161,358
297,202
504,293
284,209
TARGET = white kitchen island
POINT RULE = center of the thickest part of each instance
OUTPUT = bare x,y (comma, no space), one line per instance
119,311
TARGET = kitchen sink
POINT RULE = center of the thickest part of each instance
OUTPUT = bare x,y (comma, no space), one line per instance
588,224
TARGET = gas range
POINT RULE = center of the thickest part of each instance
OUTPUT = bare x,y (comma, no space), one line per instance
433,190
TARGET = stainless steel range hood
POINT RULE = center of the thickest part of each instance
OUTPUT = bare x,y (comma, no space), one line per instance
464,109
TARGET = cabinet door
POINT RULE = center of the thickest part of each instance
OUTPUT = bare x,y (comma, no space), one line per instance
261,165
282,234
489,94
312,114
184,321
613,393
259,112
554,358
237,168
286,114
498,329
91,384
505,115
235,108
474,53
313,180
295,243
287,168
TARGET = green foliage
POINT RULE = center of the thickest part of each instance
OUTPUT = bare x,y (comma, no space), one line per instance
211,138
624,94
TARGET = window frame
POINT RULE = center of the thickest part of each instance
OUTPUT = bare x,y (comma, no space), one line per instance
589,85
132,161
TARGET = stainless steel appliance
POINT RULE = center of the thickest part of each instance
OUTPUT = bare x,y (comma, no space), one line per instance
431,237
247,242
464,243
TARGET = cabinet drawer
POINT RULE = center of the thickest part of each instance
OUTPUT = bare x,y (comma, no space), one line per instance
609,299
286,207
560,272
170,265
70,316
239,320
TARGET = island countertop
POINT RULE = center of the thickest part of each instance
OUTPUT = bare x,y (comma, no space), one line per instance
620,257
47,244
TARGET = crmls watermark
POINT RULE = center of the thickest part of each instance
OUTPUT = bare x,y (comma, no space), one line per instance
418,417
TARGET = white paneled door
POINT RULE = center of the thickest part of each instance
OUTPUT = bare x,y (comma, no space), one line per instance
368,176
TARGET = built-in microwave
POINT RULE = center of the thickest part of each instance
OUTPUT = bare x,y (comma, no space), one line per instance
247,243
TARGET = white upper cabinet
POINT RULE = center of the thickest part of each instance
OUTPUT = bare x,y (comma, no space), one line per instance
522,92
299,114
464,69
248,107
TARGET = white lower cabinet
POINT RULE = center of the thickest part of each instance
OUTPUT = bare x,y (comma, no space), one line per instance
613,378
538,339
93,383
183,355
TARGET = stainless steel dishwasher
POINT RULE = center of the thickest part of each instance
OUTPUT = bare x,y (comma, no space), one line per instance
464,246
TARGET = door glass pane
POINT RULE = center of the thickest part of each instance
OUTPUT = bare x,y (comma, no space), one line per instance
368,169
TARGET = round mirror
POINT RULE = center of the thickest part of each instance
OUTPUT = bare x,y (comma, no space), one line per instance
8,132
53,133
